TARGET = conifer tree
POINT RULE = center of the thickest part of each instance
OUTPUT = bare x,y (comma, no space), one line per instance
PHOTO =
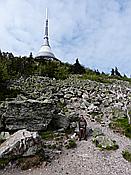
117,72
112,72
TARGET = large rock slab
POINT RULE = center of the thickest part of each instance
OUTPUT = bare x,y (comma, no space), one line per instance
30,114
21,143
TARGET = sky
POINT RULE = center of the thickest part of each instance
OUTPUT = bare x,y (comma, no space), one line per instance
97,32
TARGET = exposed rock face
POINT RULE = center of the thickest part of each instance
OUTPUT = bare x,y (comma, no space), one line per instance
30,114
22,143
57,103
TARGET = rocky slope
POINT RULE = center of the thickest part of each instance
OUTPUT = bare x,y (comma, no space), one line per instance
45,103
49,103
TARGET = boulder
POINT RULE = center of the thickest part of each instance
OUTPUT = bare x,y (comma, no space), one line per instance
22,143
59,121
29,114
105,142
97,132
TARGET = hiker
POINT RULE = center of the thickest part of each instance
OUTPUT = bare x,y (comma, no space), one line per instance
82,128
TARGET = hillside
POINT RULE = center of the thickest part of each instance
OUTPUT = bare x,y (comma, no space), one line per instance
50,100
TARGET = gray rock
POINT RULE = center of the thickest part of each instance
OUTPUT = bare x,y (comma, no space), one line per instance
21,143
73,95
92,107
60,121
97,132
31,114
105,142
68,96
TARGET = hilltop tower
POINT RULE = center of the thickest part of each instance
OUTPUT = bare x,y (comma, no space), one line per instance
45,51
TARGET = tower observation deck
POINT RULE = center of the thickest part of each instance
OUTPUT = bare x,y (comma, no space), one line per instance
45,51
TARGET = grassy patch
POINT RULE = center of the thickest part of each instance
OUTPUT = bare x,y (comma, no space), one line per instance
4,162
126,155
121,126
29,162
47,135
98,78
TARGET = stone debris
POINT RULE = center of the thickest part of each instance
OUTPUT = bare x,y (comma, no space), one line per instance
58,104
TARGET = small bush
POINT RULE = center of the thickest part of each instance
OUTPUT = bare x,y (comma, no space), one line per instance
94,77
71,144
47,135
121,125
114,147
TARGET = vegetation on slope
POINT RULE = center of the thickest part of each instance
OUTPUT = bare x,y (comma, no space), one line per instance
127,155
12,67
121,125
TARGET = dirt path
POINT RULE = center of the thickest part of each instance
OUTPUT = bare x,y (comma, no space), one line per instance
86,159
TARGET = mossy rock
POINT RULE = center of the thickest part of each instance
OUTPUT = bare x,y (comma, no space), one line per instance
71,143
105,143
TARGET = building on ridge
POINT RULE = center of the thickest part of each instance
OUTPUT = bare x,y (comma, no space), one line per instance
45,51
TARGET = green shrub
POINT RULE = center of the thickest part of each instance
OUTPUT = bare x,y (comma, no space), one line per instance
47,135
126,155
71,144
98,78
121,125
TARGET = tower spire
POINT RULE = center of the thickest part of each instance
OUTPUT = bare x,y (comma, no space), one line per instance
46,39
45,51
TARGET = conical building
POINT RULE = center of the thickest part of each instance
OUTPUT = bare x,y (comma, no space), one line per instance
45,51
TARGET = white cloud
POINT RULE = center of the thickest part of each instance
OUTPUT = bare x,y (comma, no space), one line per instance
95,31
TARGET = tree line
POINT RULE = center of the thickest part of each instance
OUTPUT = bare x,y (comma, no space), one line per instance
12,67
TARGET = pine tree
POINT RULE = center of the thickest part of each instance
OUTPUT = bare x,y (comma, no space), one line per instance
117,73
112,72
77,68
